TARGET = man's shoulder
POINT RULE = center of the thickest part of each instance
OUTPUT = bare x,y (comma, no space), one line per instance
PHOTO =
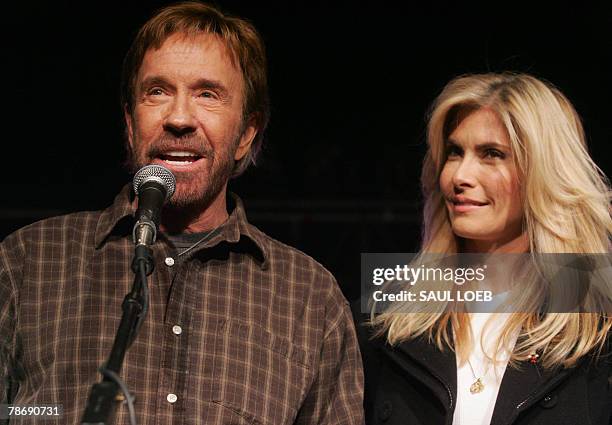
283,258
281,252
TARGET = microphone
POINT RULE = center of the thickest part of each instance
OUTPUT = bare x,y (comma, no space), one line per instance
154,185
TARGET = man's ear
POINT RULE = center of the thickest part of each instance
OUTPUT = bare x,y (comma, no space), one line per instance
246,139
129,124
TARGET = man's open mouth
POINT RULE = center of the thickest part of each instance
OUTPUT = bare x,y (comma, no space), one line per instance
179,157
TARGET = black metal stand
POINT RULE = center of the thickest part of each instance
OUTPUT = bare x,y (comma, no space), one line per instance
105,396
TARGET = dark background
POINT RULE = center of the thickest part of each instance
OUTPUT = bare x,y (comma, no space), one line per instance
350,86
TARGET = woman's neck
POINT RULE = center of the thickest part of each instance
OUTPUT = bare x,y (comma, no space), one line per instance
517,245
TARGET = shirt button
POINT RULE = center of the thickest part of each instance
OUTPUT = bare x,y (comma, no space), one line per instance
177,329
169,261
171,398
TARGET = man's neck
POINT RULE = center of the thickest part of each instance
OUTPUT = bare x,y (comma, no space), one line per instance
196,220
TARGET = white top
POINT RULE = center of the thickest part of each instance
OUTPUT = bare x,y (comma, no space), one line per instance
477,408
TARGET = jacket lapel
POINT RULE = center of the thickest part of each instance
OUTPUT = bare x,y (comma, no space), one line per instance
517,387
520,387
434,368
523,387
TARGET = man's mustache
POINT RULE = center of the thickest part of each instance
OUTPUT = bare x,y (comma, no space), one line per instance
195,144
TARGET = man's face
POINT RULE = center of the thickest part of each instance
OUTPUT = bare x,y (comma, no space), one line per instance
187,116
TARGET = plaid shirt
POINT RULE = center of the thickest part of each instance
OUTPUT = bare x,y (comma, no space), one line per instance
241,330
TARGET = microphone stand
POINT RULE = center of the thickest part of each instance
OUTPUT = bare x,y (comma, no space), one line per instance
104,396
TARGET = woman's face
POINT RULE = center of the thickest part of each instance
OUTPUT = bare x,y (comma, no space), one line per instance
480,184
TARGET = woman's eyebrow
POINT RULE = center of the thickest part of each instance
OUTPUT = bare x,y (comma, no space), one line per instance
492,145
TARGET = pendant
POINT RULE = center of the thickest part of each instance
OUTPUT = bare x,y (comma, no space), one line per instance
477,386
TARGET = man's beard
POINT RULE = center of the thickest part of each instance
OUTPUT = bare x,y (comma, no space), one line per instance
195,191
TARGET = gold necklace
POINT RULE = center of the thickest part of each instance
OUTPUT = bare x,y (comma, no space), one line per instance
477,386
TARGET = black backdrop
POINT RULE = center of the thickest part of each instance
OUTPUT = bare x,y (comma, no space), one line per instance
350,86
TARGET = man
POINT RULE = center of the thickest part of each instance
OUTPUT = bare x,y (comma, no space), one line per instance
240,328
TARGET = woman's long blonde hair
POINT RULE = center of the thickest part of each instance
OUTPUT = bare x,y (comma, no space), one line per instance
566,200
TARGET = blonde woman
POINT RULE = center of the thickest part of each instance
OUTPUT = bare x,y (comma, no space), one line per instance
507,171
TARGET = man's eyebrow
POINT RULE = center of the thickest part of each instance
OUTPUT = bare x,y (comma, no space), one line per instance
154,80
207,83
202,83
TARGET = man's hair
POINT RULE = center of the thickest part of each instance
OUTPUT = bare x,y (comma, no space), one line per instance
242,41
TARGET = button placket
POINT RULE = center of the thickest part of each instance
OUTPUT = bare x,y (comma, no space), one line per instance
169,391
175,339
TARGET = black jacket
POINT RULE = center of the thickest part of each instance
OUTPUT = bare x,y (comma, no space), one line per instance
416,384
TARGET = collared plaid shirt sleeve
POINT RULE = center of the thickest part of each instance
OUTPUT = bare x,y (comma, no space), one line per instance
331,400
241,330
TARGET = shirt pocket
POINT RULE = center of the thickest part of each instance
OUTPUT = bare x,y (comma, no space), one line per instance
259,376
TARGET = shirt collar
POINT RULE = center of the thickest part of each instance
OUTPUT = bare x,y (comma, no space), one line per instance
231,231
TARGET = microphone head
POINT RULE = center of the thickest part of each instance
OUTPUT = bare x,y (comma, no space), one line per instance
158,174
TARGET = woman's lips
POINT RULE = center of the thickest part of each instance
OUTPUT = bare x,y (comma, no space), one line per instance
466,207
462,203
